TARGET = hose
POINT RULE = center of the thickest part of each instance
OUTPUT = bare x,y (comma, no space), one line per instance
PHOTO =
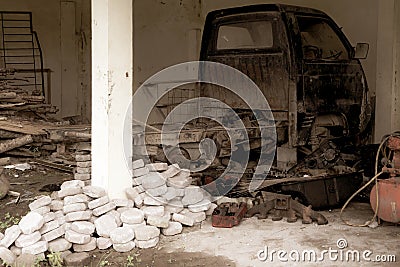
375,178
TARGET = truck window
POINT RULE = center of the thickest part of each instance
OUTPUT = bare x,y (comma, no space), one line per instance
320,41
245,35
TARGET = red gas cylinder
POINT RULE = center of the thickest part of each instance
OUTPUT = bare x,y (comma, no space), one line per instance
389,199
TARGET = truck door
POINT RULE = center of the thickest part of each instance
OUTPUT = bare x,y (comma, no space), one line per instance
257,45
331,81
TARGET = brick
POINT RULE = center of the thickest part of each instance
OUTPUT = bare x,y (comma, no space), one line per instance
170,193
104,209
94,191
132,216
40,202
70,191
72,184
131,193
78,216
7,256
134,226
171,171
37,248
84,164
158,191
103,242
10,235
154,201
146,232
121,202
56,205
74,207
27,240
98,202
124,247
157,167
16,250
42,210
54,234
82,170
174,206
196,216
148,243
153,210
83,227
122,235
82,176
31,222
183,219
105,224
179,181
77,238
80,198
90,246
201,206
117,216
137,164
77,259
159,221
140,172
193,195
47,227
173,228
50,216
84,157
153,180
59,244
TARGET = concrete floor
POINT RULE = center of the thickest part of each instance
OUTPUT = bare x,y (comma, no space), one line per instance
242,243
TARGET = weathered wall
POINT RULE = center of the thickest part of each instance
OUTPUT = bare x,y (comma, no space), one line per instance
51,22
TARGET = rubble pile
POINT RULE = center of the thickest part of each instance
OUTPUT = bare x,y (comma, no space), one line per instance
80,218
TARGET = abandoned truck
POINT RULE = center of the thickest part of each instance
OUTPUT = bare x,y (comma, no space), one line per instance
317,91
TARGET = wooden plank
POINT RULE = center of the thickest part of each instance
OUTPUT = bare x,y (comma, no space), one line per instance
22,127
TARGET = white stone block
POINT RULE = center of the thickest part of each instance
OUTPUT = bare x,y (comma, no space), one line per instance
70,191
42,210
98,202
78,216
132,216
50,216
27,240
74,207
91,245
83,157
72,184
173,228
104,225
158,191
94,191
140,172
170,193
31,222
146,232
153,210
84,164
54,234
183,219
153,180
117,216
84,177
104,209
134,226
171,171
80,198
201,206
77,238
83,227
59,244
10,235
137,164
159,221
196,216
154,201
124,247
157,167
103,242
122,202
47,227
40,202
148,243
37,248
122,235
193,195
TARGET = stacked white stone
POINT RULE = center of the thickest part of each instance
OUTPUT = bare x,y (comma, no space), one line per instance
82,218
83,168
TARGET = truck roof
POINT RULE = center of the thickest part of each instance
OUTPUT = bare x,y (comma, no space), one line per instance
264,7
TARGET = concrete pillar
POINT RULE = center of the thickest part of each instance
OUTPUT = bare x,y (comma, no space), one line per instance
112,45
388,69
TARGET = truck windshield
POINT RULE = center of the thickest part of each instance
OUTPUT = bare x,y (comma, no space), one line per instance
320,41
245,35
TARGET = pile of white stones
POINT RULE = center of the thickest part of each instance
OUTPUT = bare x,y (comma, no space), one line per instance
81,218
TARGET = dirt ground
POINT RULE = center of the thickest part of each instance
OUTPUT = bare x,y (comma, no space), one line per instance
204,245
